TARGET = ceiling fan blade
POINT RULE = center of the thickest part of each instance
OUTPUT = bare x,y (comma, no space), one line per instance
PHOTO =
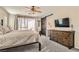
37,10
37,7
28,7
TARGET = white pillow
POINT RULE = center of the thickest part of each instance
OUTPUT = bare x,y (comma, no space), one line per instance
1,29
9,28
1,33
6,29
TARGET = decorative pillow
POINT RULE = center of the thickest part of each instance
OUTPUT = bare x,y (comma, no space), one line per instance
9,28
1,32
6,29
1,29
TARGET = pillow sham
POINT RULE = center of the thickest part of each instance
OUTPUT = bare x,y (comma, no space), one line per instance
6,29
1,33
1,30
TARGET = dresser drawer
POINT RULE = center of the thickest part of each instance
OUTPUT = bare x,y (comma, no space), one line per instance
66,38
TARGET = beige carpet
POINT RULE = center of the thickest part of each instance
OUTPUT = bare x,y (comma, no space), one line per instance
47,46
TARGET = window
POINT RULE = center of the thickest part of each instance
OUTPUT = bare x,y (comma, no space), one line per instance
26,23
31,24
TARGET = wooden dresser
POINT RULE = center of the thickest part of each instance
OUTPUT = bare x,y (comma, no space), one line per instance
65,38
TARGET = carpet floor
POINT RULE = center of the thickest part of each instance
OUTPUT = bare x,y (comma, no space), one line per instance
47,46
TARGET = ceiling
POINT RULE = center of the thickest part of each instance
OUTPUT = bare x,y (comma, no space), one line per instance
21,10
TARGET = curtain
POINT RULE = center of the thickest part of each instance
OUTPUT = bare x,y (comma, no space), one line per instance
24,23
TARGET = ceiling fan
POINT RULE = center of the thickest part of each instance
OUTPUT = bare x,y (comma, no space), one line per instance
34,9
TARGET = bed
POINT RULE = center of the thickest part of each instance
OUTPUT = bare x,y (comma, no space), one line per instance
18,38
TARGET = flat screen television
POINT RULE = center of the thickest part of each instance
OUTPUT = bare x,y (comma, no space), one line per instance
63,23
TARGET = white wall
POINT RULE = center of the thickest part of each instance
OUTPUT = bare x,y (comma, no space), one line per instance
11,21
4,15
62,12
38,27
